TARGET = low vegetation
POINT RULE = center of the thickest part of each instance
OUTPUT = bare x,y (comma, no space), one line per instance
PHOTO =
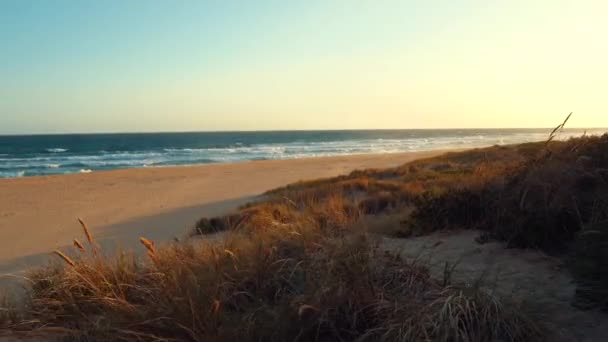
292,280
551,196
299,265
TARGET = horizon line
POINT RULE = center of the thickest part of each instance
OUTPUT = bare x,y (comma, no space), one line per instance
290,130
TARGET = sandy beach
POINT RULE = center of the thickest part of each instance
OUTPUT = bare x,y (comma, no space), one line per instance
38,214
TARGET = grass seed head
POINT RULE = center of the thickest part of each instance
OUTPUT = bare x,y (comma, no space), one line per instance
64,257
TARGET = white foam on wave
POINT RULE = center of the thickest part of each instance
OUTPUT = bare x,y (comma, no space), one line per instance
56,150
185,150
296,149
85,171
12,174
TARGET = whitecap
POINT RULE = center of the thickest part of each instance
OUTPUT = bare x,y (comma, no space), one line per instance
183,150
56,150
53,166
85,171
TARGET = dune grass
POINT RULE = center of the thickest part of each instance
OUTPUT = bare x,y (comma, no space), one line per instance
291,280
551,196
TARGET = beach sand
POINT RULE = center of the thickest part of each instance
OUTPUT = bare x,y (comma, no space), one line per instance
39,214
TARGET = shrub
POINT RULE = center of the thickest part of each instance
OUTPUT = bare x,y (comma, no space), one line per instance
590,265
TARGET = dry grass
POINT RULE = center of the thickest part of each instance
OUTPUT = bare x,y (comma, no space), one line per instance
549,195
290,281
502,190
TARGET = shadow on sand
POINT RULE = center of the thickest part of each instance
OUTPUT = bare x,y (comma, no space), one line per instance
125,235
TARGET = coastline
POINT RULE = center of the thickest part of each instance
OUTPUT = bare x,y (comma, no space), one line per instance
38,214
42,155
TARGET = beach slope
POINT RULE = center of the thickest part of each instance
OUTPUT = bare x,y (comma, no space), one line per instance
38,214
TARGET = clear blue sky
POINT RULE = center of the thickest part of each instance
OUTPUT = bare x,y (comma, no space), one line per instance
91,66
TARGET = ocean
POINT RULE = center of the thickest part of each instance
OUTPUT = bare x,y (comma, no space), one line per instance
35,155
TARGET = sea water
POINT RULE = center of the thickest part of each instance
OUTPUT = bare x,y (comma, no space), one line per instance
72,153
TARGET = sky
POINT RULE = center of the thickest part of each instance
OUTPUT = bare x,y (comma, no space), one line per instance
135,66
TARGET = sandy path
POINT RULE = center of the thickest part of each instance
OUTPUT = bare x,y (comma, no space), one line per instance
530,276
38,214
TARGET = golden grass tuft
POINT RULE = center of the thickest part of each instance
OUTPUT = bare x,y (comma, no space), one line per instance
150,248
148,244
79,245
88,235
64,257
